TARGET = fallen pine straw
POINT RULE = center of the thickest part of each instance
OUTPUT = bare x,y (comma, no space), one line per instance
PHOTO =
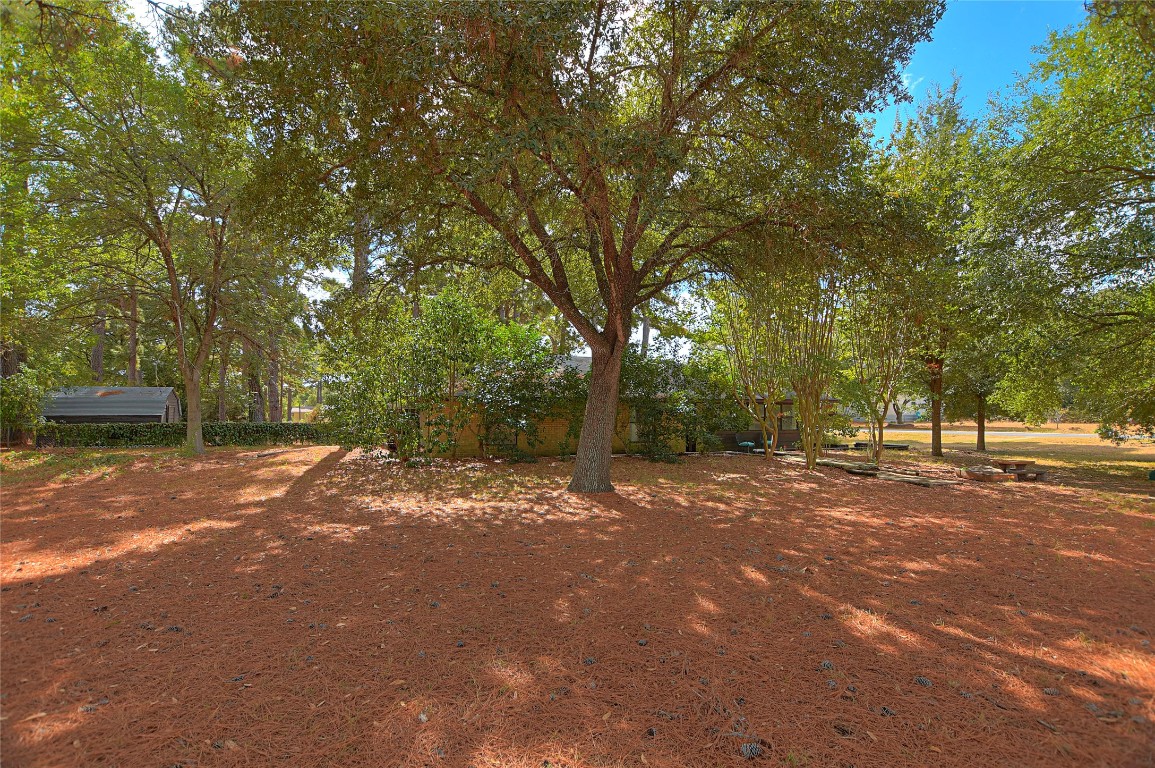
317,608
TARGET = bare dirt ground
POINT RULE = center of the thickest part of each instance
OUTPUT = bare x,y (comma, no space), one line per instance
308,607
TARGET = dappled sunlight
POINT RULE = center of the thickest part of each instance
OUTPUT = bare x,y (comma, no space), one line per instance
709,606
42,727
754,575
511,676
477,613
146,540
874,627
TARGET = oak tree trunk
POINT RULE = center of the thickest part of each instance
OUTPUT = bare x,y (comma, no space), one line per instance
897,414
591,472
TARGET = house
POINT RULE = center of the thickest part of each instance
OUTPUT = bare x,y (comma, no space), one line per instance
788,432
787,427
94,405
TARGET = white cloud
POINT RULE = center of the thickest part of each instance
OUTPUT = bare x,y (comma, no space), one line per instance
910,82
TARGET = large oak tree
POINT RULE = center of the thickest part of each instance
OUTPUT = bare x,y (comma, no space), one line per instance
609,145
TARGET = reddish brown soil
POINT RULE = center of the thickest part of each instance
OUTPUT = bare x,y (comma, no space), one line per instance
313,608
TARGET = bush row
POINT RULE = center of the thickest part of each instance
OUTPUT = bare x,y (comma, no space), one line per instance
154,434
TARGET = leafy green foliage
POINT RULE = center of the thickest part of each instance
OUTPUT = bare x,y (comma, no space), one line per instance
1064,226
516,384
416,384
580,143
152,434
674,403
20,397
378,390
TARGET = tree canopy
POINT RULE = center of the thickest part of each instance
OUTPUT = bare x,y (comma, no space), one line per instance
424,209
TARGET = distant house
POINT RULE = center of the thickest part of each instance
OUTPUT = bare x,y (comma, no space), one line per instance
788,431
92,405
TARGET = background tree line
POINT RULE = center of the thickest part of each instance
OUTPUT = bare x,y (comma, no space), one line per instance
503,187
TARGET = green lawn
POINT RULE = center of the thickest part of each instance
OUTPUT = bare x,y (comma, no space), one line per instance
1077,461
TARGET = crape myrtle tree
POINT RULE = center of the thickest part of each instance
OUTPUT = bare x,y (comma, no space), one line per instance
880,307
809,307
876,332
609,144
750,328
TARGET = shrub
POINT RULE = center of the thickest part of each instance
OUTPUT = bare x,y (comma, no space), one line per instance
20,397
172,435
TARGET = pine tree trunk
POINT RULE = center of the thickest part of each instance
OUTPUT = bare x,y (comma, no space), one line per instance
99,330
194,440
591,472
256,397
645,335
935,366
134,376
274,382
981,431
223,382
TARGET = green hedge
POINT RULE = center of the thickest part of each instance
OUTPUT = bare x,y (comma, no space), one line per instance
154,434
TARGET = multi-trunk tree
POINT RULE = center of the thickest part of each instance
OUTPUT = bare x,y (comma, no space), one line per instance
754,340
877,332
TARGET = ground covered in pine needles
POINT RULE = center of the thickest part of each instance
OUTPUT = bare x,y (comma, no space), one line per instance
312,607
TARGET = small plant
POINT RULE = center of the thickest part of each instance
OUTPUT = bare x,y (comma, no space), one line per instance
796,758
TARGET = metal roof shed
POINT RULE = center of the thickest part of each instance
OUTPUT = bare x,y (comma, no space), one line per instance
94,405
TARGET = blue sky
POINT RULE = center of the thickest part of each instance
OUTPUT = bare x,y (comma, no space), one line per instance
987,43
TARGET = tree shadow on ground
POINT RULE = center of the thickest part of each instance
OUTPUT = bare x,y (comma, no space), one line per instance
317,608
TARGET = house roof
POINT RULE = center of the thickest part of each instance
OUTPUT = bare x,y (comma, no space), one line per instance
580,363
106,401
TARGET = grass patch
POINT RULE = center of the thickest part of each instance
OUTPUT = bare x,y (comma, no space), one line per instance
1115,471
46,466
